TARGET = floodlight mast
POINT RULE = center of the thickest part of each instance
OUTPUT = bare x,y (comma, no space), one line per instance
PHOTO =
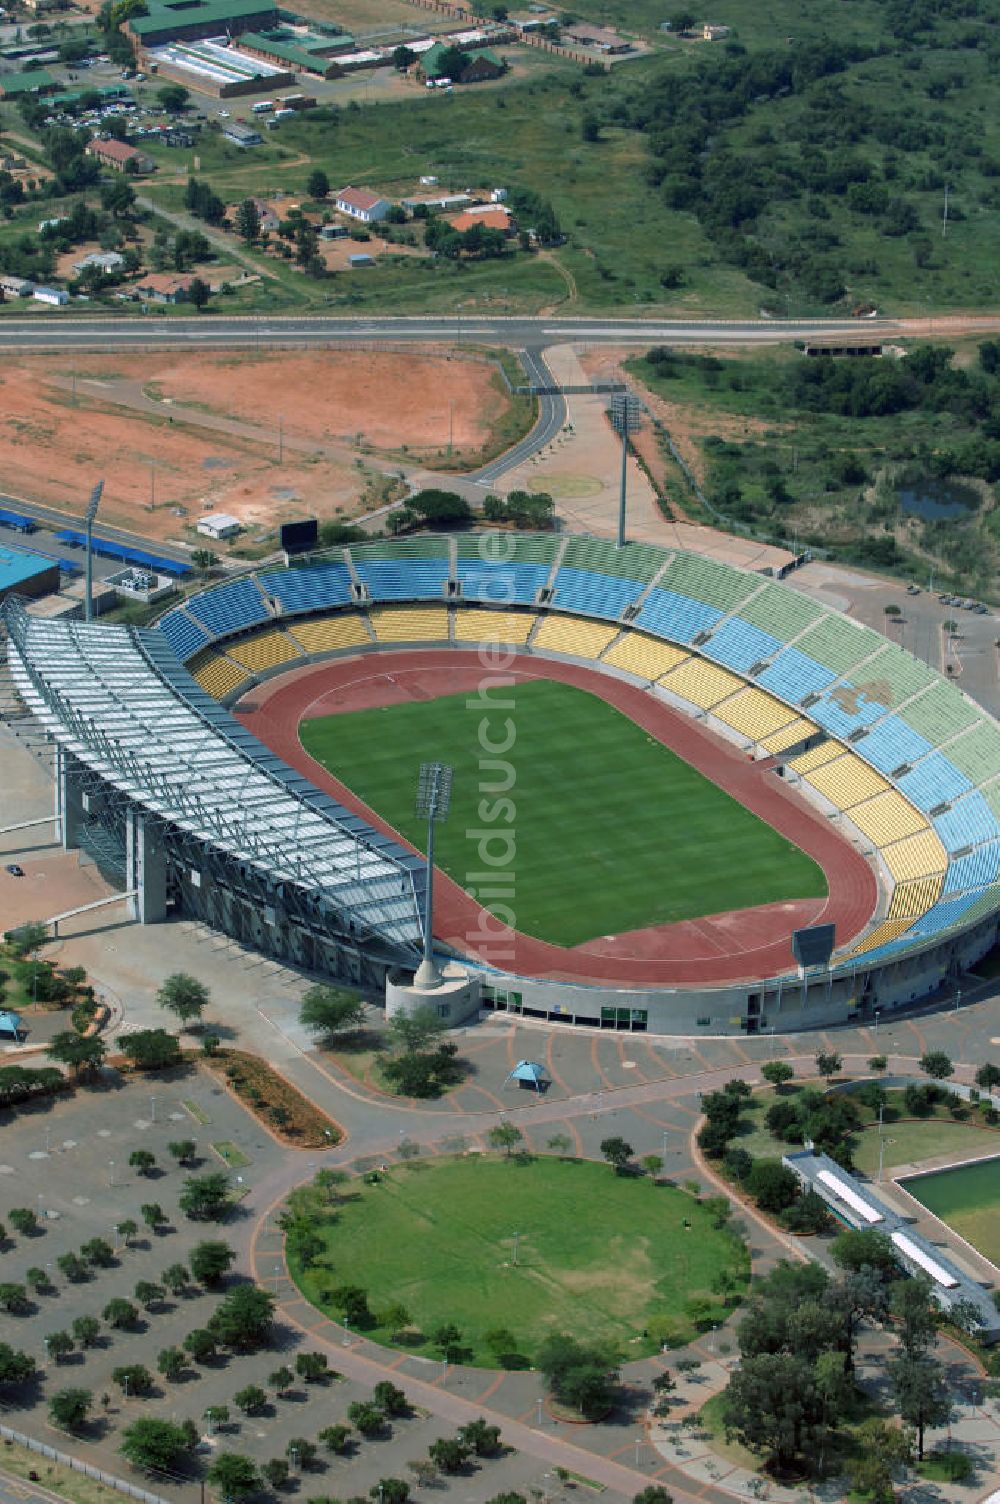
625,413
433,801
88,517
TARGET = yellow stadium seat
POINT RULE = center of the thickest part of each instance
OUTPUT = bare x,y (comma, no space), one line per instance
789,735
264,650
915,856
218,676
571,634
493,626
815,757
888,817
644,656
847,780
325,634
754,713
703,683
410,623
910,900
890,929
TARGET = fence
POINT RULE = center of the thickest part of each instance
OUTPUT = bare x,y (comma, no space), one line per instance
65,1459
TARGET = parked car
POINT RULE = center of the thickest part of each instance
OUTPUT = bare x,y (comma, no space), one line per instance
15,870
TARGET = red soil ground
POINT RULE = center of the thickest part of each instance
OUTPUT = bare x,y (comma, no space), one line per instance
744,945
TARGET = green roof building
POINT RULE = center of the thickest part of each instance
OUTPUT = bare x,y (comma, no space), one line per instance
31,81
192,20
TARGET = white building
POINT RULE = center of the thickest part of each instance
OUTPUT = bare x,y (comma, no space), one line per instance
362,204
56,296
219,525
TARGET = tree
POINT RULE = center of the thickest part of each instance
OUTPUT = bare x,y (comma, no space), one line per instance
242,1320
148,1293
250,1400
247,221
505,1136
580,1375
313,1367
16,1368
59,1344
201,1344
329,1012
171,1363
653,1493
173,98
777,1072
143,1161
233,1475
152,1049
652,1164
198,292
773,1186
275,1471
175,1279
366,1418
281,1380
14,1299
216,1416
827,1063
448,1454
390,1398
133,1379
878,1062
937,1064
866,1249
99,1252
183,1150
120,1314
155,1445
617,1153
560,1143
37,1279
205,1198
390,1491
72,1267
771,1405
183,995
879,1450
301,1452
318,184
335,1439
395,1318
444,509
483,1439
82,1055
914,1308
69,1408
682,22
352,1302
128,1229
86,1330
210,1261
921,1394
23,1220
118,197
413,1032
988,1077
153,1215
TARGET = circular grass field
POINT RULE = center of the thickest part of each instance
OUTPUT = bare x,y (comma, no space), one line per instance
599,1256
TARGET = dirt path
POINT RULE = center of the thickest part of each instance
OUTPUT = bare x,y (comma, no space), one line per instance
228,245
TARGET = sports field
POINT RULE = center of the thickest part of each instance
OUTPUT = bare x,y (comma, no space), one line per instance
598,1254
609,830
967,1199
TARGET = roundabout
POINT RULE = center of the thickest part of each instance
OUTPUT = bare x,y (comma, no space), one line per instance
512,1249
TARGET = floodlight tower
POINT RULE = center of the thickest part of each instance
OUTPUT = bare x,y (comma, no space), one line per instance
88,517
625,415
434,802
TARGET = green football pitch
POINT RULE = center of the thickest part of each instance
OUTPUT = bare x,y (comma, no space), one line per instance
599,1255
611,831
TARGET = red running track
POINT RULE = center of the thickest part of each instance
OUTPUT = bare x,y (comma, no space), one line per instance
743,945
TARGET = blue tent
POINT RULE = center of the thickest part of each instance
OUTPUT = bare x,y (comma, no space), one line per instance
10,1023
529,1072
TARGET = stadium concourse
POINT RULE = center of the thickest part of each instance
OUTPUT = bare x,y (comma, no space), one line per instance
898,764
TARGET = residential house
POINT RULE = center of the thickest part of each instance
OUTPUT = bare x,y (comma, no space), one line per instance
713,33
105,261
119,156
162,287
56,297
362,204
600,38
242,135
436,64
15,287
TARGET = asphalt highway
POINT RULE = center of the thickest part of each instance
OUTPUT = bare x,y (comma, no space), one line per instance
65,333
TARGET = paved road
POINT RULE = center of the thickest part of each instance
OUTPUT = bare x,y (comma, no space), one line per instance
65,332
551,417
51,521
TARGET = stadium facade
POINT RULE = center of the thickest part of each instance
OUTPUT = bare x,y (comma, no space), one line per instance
191,814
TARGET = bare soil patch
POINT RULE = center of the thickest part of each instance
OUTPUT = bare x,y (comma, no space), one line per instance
274,1102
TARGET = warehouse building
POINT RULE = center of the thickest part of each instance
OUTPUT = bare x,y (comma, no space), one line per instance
23,573
192,20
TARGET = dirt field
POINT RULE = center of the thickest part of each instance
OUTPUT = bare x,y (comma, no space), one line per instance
125,421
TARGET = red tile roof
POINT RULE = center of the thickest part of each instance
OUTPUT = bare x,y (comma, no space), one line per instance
114,151
359,198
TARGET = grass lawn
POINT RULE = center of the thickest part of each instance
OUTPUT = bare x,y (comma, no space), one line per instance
23,1463
598,1254
634,837
967,1199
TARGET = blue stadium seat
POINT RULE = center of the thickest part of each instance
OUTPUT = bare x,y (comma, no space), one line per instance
229,608
968,822
597,594
313,589
739,645
184,635
677,617
977,869
933,780
409,580
891,743
502,583
793,675
840,717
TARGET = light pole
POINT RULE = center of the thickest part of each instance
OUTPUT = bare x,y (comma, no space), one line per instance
88,517
539,1421
882,1141
152,1109
514,1256
877,1012
625,413
111,1172
664,1148
433,801
347,1331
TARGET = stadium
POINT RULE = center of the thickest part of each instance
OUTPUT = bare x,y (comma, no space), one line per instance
703,761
